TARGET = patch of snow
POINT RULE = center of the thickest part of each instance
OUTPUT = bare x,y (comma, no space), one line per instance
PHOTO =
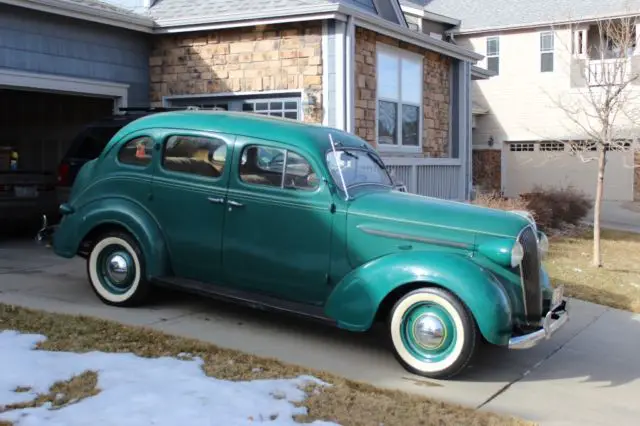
137,391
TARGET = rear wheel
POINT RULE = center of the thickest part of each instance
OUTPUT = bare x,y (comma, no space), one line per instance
433,333
115,267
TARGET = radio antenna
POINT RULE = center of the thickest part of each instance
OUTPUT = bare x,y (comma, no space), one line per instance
335,155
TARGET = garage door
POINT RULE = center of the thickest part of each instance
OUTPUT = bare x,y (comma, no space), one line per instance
286,106
552,164
41,125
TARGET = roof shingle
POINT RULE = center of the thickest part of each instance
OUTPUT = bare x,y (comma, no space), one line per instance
164,10
490,14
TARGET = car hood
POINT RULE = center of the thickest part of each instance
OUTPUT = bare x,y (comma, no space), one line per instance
419,214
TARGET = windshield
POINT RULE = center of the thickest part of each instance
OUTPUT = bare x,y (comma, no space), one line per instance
358,167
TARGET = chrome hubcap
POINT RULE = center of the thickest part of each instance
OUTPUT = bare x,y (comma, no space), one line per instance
117,268
429,331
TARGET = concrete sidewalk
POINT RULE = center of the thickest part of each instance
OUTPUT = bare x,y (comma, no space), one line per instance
623,216
589,374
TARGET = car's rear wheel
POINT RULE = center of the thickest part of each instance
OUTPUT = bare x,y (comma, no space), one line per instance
432,332
115,267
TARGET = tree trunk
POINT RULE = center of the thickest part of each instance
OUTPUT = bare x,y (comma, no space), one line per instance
597,256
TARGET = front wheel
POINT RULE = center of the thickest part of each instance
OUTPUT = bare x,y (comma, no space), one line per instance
115,267
433,333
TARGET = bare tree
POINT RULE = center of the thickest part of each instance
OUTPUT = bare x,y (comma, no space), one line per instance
604,108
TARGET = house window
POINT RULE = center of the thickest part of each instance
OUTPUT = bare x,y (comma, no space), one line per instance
546,51
399,93
493,54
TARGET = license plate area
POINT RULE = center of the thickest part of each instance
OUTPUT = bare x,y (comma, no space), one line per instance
558,295
25,191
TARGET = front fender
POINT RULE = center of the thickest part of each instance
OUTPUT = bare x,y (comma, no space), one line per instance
123,212
355,300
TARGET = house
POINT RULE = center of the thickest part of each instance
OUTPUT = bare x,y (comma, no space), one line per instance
541,53
376,68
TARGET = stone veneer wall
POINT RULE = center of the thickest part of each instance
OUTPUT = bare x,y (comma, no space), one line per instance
486,166
252,59
436,94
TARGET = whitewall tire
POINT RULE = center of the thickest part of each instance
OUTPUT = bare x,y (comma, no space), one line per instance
433,334
115,267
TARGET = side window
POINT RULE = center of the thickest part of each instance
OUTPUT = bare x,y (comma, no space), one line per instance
299,174
203,156
137,152
266,166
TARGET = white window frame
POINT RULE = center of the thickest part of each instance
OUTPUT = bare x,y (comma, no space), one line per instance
546,51
486,46
401,53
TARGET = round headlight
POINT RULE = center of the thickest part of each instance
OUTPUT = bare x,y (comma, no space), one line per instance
517,254
543,244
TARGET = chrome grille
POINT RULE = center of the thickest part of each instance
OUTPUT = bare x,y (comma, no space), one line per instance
530,275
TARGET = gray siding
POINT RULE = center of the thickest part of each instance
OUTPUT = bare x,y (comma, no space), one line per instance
434,27
42,43
364,4
387,11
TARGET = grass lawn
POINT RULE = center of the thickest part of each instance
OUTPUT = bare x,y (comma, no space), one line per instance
616,284
345,402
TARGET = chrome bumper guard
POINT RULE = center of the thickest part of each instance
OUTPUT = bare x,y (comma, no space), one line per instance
45,234
552,322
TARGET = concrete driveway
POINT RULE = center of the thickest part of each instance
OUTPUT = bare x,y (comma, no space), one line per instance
588,374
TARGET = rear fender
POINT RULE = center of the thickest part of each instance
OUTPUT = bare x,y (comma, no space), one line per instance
355,300
121,212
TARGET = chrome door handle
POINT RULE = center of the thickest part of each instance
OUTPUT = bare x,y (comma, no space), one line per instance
216,200
235,204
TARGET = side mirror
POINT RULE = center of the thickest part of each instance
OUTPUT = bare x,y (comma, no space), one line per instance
400,187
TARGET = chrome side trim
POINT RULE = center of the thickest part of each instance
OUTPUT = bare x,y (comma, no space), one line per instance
550,326
408,237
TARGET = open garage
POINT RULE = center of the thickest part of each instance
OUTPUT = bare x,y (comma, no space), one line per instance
62,66
39,126
553,164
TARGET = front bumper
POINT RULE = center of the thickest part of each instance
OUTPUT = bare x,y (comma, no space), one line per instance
555,319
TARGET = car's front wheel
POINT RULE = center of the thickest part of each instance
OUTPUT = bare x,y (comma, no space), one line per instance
433,333
115,267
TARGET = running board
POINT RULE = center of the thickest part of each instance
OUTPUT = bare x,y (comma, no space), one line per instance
242,297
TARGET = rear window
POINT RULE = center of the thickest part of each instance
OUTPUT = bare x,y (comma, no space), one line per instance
91,141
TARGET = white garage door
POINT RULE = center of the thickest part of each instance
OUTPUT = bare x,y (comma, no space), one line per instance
551,164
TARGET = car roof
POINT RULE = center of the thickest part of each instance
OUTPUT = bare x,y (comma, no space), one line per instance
308,136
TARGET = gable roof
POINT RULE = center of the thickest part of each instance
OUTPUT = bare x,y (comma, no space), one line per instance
193,12
486,15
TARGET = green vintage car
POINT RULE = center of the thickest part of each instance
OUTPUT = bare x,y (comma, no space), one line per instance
302,218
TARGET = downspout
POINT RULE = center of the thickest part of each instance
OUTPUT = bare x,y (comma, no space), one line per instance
349,78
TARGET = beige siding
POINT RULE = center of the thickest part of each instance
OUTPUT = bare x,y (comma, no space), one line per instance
524,101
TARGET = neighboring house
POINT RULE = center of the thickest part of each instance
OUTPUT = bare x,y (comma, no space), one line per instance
540,52
371,67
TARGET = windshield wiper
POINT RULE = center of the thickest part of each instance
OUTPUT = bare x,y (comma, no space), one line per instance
376,160
350,154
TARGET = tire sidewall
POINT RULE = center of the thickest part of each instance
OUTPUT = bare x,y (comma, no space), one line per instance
464,344
131,248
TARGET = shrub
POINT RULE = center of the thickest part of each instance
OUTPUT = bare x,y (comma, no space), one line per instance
555,207
496,200
552,208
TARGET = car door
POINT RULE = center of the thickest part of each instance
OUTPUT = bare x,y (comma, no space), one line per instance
278,223
189,190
